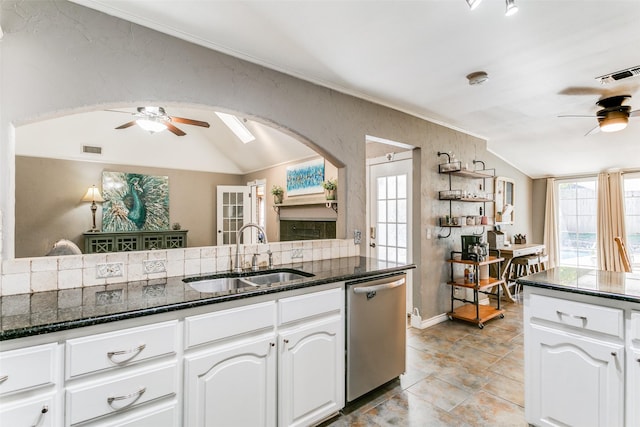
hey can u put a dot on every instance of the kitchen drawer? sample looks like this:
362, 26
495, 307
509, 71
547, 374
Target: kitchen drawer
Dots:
583, 316
309, 305
227, 323
27, 368
120, 348
38, 412
120, 392
164, 416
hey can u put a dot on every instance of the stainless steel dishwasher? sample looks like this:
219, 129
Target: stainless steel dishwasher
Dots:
376, 333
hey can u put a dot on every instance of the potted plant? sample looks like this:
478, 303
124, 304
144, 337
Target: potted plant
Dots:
277, 192
330, 186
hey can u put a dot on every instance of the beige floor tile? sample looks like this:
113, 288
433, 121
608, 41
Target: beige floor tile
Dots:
509, 367
506, 388
442, 394
484, 409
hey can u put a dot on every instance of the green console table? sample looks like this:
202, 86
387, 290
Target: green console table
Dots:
124, 241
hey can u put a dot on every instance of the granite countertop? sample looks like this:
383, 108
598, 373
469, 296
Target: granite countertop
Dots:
43, 312
605, 284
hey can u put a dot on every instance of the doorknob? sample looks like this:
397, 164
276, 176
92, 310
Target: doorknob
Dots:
373, 245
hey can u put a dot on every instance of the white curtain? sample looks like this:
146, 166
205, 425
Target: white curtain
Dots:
551, 224
610, 220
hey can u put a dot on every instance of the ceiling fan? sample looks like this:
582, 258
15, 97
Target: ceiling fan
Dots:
612, 116
155, 119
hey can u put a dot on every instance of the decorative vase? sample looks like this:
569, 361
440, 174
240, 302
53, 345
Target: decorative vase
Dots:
277, 199
330, 194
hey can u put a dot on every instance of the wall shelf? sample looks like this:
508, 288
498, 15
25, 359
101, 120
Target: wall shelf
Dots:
450, 195
329, 204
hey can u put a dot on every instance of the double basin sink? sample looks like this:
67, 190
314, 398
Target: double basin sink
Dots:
234, 281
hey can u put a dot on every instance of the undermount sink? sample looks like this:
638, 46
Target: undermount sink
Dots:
221, 284
282, 276
244, 280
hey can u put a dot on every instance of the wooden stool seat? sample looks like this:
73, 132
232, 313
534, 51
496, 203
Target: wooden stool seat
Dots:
525, 265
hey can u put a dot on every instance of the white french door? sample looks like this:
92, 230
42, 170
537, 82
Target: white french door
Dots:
233, 210
390, 194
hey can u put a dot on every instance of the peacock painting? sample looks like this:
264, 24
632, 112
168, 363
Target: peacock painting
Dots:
135, 202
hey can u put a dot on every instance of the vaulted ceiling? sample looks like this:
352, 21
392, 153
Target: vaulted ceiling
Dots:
414, 56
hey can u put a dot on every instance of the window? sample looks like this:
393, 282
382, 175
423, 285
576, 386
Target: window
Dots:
577, 201
632, 217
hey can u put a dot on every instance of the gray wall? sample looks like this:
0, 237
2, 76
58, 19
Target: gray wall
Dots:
59, 58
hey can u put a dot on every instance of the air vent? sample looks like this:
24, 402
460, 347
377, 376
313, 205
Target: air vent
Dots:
91, 150
619, 75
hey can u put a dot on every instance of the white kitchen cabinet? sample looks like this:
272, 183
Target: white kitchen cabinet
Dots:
574, 381
311, 371
633, 370
242, 368
579, 366
28, 381
232, 385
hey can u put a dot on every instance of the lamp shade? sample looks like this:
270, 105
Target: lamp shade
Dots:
614, 121
93, 195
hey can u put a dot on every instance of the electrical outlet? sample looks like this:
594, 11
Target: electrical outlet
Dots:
357, 237
428, 233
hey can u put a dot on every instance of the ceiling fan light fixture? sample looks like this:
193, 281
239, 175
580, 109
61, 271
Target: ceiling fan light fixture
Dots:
512, 8
614, 122
151, 125
473, 3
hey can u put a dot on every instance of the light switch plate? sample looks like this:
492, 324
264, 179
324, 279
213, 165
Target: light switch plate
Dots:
357, 237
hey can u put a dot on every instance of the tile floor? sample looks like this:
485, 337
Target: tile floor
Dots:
457, 375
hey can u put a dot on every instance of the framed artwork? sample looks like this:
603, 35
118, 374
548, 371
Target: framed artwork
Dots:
135, 202
305, 178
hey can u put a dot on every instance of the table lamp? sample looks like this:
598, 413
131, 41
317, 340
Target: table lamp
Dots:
93, 195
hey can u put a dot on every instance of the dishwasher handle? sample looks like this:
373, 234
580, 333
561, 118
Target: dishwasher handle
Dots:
381, 287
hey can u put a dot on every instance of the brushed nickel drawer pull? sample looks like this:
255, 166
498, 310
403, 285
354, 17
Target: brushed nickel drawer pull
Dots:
4, 378
135, 394
44, 410
136, 351
560, 313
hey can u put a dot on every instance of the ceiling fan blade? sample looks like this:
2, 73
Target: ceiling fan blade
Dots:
578, 116
594, 130
126, 125
189, 121
119, 111
173, 129
635, 113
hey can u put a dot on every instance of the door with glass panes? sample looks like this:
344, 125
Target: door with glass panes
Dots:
233, 210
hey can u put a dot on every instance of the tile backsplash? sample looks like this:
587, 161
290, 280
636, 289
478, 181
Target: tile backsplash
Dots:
26, 275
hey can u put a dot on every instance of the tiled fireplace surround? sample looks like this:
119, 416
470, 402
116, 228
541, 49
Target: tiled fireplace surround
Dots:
25, 275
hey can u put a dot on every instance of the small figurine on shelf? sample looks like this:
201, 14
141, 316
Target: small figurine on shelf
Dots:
277, 192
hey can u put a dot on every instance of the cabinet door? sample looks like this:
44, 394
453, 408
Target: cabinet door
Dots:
633, 389
573, 380
232, 385
311, 372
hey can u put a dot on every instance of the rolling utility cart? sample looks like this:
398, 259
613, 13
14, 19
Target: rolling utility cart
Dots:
473, 311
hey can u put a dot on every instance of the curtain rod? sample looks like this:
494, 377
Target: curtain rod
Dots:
593, 175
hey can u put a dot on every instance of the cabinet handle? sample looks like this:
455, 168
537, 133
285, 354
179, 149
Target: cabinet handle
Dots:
136, 351
560, 313
614, 354
4, 378
286, 341
638, 360
272, 344
43, 411
135, 394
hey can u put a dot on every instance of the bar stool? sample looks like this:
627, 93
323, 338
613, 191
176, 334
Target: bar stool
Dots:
525, 265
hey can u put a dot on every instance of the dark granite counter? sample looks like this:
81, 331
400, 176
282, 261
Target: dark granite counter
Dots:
605, 284
43, 312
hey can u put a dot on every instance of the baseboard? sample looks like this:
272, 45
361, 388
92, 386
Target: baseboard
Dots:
427, 323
